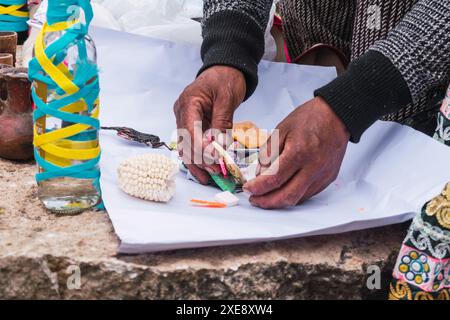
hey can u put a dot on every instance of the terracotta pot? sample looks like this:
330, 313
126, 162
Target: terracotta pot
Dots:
16, 124
8, 43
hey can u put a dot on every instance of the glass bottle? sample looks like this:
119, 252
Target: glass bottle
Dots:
66, 195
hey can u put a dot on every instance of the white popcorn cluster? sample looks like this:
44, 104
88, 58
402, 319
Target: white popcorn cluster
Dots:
149, 177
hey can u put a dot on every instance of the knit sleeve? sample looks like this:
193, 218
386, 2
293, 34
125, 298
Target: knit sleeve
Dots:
233, 35
420, 47
396, 71
310, 24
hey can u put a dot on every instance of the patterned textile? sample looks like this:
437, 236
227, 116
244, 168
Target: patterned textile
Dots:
343, 24
422, 271
258, 11
391, 13
427, 93
307, 23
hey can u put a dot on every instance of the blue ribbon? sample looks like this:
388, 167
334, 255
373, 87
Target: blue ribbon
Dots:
60, 11
13, 23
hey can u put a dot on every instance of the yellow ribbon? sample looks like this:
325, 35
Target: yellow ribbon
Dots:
14, 10
58, 149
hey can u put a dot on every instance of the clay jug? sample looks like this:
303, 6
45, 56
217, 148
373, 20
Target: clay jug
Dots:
16, 124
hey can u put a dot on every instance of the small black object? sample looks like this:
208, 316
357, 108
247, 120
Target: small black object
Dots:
134, 135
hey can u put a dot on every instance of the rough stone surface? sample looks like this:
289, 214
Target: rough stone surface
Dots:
40, 254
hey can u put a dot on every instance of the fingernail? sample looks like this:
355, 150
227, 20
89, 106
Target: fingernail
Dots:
221, 139
209, 170
212, 170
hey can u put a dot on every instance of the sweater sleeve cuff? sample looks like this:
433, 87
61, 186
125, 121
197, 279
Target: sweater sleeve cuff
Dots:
371, 88
232, 38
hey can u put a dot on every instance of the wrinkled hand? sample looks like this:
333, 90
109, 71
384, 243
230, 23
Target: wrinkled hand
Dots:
312, 145
209, 101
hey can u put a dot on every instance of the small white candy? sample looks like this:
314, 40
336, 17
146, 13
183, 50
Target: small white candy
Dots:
138, 176
227, 198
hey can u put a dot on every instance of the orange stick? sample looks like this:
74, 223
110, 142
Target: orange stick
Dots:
217, 206
208, 204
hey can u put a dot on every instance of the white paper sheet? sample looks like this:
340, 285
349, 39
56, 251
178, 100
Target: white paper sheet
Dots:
384, 180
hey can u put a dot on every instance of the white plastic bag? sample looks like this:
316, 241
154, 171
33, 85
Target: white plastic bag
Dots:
104, 18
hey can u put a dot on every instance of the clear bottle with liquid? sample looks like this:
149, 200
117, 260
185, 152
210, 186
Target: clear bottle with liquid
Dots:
66, 195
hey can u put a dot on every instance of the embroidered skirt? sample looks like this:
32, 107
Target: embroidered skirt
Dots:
422, 270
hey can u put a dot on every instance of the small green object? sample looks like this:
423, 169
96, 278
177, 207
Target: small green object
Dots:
225, 183
173, 145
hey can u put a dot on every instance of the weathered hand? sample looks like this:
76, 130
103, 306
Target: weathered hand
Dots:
208, 103
312, 145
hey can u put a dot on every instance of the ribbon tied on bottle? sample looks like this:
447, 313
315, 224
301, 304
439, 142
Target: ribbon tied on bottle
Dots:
73, 150
13, 15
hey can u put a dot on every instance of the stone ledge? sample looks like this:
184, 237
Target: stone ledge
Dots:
36, 249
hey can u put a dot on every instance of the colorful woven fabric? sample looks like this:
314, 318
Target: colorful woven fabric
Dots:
422, 271
423, 265
72, 151
13, 15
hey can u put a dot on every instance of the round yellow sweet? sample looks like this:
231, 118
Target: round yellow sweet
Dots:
418, 279
403, 268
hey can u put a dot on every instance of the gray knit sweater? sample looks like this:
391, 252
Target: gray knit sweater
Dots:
400, 69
